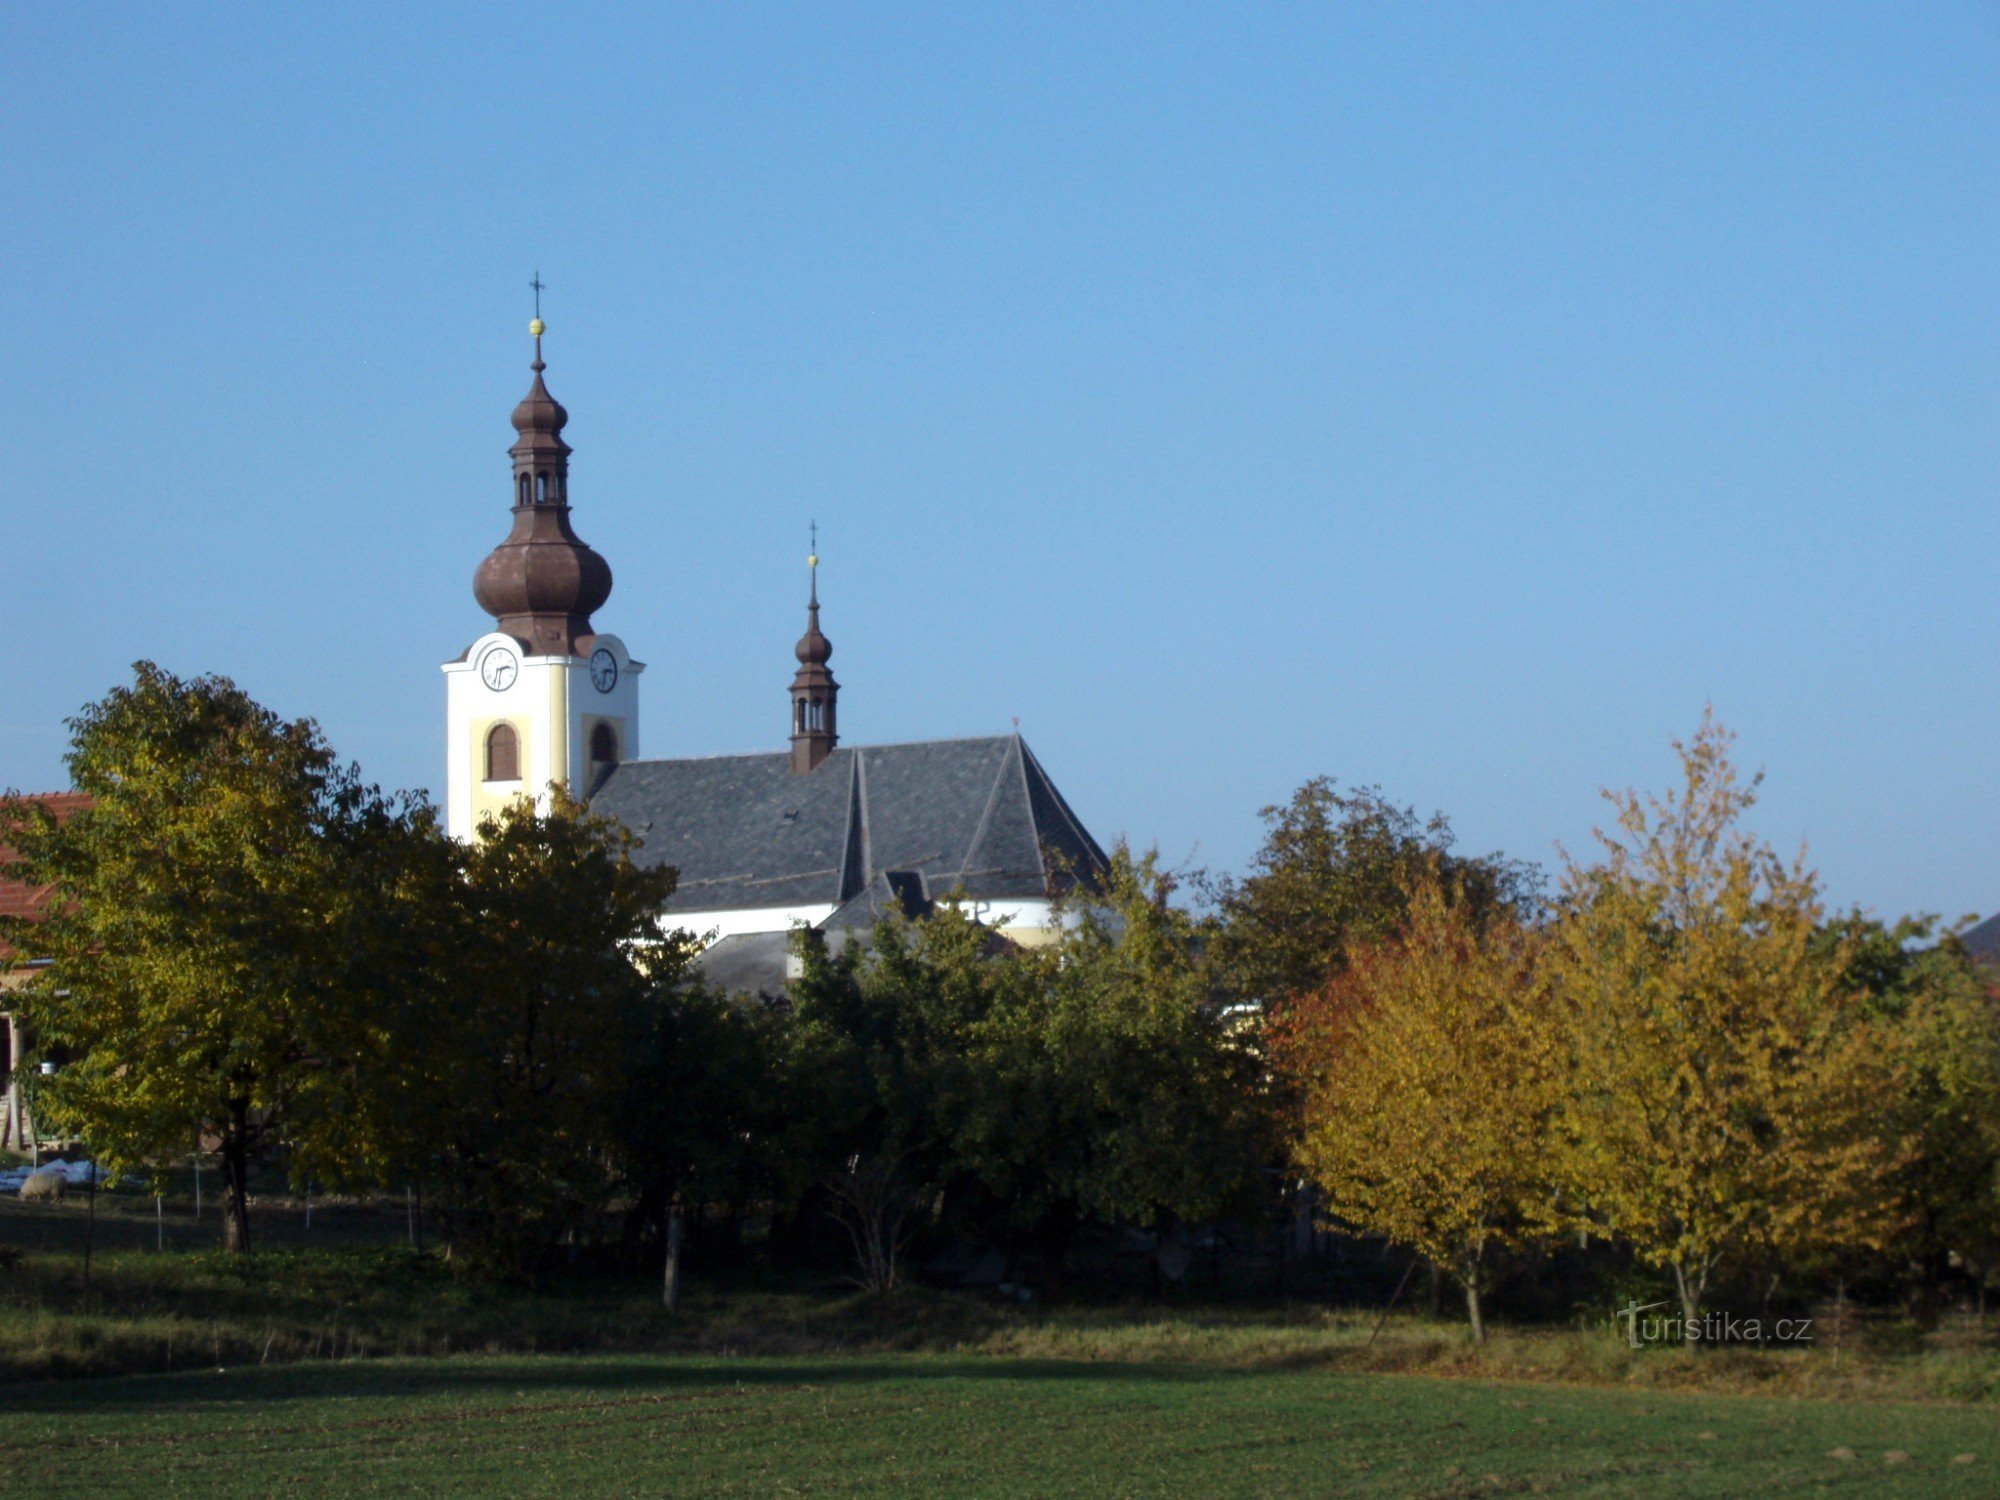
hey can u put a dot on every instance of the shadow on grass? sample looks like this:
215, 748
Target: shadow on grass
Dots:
212, 1392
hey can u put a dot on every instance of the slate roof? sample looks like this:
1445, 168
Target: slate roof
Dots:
747, 963
978, 815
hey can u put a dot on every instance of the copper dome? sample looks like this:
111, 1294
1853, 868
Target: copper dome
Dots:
539, 411
542, 583
813, 649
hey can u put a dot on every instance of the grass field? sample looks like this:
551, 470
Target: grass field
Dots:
352, 1364
927, 1425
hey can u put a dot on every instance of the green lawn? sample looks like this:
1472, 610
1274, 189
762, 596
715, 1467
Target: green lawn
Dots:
940, 1425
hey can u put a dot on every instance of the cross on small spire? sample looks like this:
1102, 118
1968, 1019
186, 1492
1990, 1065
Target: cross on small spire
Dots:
813, 689
538, 286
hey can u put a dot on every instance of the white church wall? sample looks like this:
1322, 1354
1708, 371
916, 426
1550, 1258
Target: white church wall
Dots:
1030, 923
714, 926
552, 702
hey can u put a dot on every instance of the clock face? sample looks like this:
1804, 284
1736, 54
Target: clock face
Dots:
603, 670
498, 669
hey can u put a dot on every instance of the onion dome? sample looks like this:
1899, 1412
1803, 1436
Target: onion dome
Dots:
542, 583
815, 695
813, 649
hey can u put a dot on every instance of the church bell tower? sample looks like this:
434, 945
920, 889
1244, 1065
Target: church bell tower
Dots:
543, 699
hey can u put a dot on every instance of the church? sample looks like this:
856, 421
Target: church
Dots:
819, 834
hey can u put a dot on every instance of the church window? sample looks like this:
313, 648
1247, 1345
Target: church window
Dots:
524, 489
541, 489
603, 745
503, 754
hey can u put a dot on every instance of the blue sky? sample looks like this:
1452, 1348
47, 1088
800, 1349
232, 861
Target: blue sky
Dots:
1454, 398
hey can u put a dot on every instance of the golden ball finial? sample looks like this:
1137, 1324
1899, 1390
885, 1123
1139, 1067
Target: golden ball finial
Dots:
812, 561
538, 328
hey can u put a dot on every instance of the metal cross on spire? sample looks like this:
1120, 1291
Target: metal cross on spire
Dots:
812, 564
537, 328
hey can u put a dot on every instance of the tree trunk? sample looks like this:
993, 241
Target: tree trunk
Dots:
1473, 1310
1690, 1287
236, 1179
90, 1222
670, 1290
872, 1199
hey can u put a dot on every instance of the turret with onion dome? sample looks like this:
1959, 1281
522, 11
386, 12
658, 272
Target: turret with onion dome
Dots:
813, 690
542, 583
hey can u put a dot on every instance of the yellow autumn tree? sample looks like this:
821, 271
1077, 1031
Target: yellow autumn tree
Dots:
1424, 1101
1726, 1091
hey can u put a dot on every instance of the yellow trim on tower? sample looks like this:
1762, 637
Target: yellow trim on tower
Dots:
559, 726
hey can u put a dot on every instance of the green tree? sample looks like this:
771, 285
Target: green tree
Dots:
1425, 1092
208, 908
555, 953
1334, 872
1945, 1018
1106, 1081
876, 1046
705, 1111
1728, 1092
1024, 1089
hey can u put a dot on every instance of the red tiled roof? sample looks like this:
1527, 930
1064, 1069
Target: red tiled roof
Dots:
18, 899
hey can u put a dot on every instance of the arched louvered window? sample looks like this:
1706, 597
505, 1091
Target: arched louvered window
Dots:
603, 745
541, 489
525, 492
503, 754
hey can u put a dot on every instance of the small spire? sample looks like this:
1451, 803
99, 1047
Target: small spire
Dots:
814, 692
538, 327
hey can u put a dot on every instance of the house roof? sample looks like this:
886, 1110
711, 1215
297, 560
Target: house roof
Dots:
18, 898
976, 815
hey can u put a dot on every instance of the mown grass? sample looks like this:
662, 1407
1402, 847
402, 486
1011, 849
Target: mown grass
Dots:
943, 1424
362, 1295
203, 1310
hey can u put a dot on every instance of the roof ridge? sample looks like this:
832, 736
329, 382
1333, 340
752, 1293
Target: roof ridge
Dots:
955, 739
1062, 806
856, 813
867, 833
986, 814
